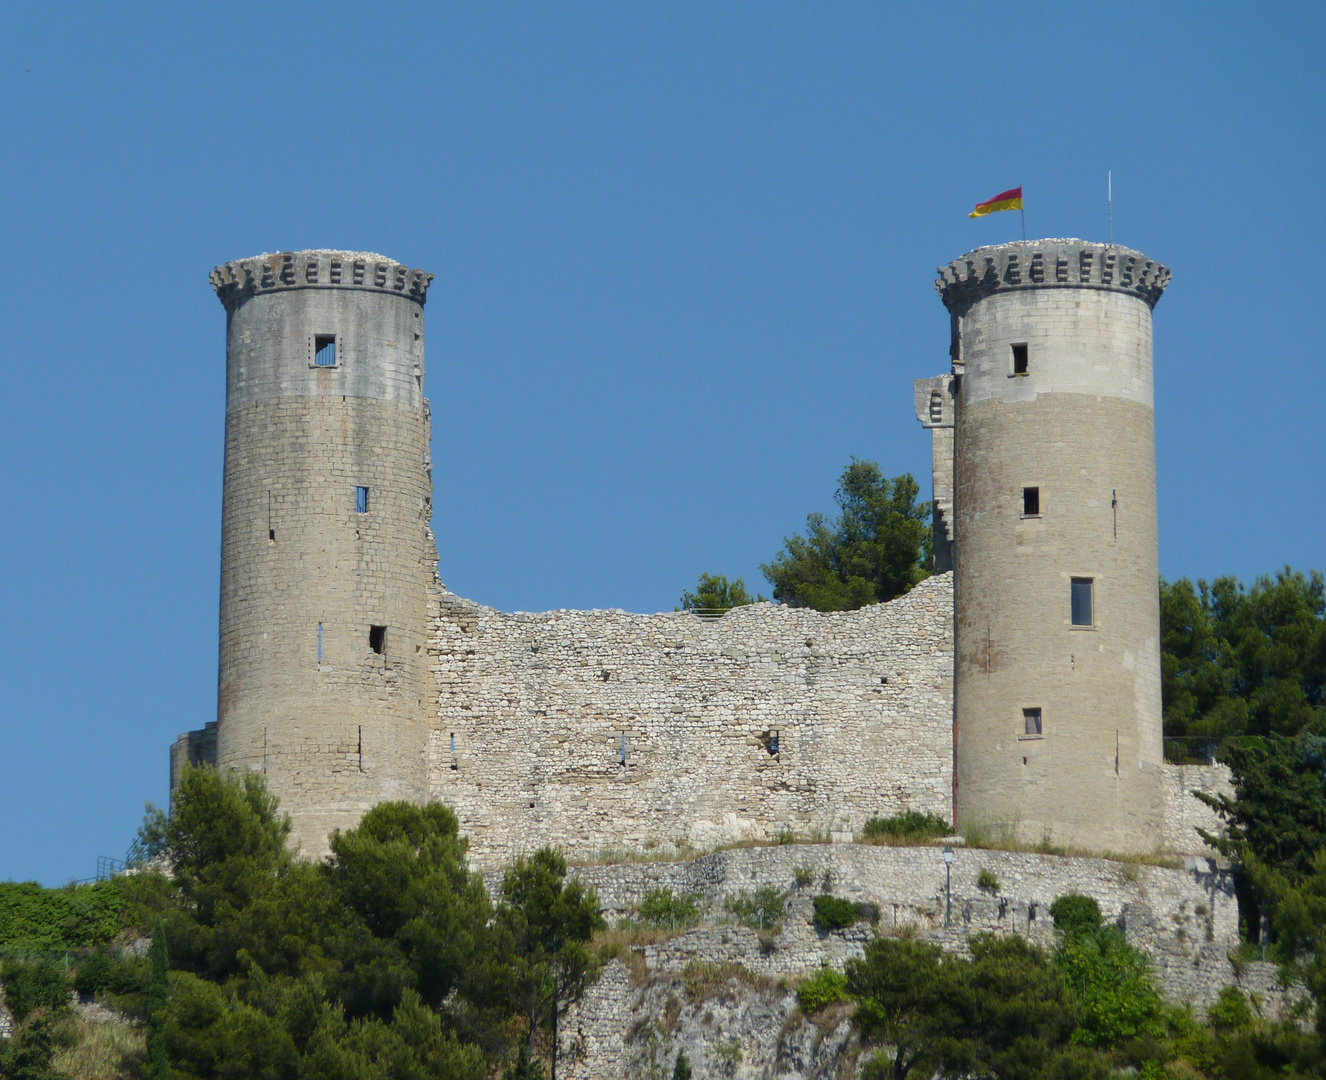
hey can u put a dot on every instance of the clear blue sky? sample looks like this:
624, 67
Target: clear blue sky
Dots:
684, 259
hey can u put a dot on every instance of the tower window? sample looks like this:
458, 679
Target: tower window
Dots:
1083, 601
377, 639
361, 500
1020, 359
324, 350
1031, 502
1031, 724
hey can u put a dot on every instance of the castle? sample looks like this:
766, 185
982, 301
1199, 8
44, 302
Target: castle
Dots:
1017, 688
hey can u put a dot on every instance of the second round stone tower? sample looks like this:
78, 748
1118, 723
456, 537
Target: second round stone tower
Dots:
1057, 665
327, 555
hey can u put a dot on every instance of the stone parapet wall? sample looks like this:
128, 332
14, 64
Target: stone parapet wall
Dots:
602, 729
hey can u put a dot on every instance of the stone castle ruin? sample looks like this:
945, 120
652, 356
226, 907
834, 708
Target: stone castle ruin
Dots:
1018, 688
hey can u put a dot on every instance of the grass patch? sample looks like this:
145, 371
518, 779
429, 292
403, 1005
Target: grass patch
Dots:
115, 1051
909, 827
990, 839
701, 979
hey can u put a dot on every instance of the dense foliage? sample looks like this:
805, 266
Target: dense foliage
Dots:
713, 592
387, 960
833, 912
1244, 661
760, 910
877, 547
663, 909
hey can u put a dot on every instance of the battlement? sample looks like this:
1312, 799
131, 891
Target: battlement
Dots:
319, 269
1049, 264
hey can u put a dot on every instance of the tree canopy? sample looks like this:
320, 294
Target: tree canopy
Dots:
713, 592
877, 548
1244, 661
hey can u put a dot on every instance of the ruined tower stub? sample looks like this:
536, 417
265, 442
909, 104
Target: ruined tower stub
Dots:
1057, 712
327, 556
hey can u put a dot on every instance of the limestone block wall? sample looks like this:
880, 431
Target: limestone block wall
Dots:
603, 729
1058, 719
323, 675
1184, 814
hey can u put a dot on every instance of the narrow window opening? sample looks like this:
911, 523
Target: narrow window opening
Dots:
361, 500
319, 643
271, 535
377, 639
622, 752
454, 767
1031, 502
773, 744
1019, 359
324, 350
1083, 601
1031, 723
361, 747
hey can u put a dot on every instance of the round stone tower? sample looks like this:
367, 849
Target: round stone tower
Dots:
1057, 714
327, 556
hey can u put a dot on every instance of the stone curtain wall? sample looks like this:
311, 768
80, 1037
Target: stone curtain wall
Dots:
540, 705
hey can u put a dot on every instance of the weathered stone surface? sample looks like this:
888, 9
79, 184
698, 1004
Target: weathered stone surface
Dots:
537, 713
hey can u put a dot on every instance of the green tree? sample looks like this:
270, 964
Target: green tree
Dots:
547, 922
412, 915
1237, 661
1005, 1013
681, 1069
1112, 979
877, 548
713, 592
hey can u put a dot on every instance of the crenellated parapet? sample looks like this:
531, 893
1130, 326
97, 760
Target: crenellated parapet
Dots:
1049, 264
321, 269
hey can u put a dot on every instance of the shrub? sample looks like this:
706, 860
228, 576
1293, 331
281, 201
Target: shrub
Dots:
987, 881
909, 825
833, 912
1074, 913
803, 876
664, 910
682, 1069
57, 920
785, 836
1230, 1011
34, 984
761, 910
868, 912
823, 988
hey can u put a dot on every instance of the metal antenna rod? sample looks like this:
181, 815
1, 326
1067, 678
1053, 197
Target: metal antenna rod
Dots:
1109, 200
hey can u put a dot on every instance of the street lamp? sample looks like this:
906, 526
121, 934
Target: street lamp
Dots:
948, 884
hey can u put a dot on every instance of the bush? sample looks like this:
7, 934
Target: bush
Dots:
682, 1069
803, 876
1074, 913
909, 825
987, 881
34, 984
664, 910
834, 913
761, 910
823, 988
867, 911
58, 920
1230, 1011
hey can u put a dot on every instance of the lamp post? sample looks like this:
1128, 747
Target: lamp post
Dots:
948, 884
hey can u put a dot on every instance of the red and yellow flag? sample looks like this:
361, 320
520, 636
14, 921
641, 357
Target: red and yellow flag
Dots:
1005, 200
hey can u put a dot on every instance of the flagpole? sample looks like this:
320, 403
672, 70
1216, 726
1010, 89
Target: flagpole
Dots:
1024, 223
1109, 197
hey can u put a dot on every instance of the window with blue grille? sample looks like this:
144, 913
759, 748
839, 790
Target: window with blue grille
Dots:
324, 350
361, 500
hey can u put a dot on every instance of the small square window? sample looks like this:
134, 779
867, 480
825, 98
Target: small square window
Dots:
1019, 359
324, 350
377, 639
1083, 601
361, 500
1031, 722
1031, 502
